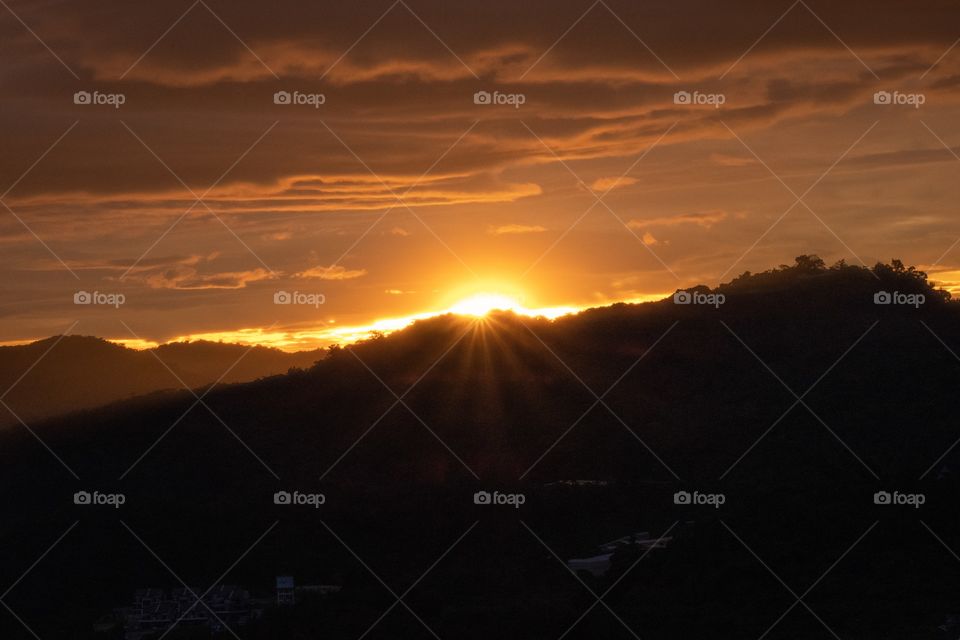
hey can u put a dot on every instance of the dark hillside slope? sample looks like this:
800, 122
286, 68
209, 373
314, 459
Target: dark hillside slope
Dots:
82, 372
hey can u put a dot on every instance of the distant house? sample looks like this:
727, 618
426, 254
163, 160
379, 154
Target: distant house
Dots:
154, 611
222, 608
286, 591
643, 539
578, 483
598, 565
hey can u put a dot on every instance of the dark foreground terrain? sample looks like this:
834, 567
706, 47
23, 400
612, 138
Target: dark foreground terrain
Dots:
784, 410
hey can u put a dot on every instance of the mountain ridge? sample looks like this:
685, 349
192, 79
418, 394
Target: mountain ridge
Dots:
66, 373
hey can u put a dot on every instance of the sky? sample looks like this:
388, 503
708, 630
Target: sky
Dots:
195, 163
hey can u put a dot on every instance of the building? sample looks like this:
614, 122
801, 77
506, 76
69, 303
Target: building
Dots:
154, 610
599, 564
286, 591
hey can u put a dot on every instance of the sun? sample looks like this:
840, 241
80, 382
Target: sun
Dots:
481, 304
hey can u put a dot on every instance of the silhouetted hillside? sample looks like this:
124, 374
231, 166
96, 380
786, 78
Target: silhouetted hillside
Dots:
81, 372
797, 396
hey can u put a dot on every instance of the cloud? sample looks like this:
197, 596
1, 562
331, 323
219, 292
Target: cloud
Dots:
606, 184
334, 272
514, 229
188, 273
401, 98
297, 194
188, 278
194, 281
500, 40
704, 219
731, 160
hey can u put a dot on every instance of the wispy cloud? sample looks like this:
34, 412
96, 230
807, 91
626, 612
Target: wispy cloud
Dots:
334, 272
604, 184
704, 219
515, 229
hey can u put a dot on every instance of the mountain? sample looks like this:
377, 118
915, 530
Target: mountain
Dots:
799, 395
68, 373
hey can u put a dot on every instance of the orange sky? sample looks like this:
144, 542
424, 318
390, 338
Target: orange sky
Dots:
584, 181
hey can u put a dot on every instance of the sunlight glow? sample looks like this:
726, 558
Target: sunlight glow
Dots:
483, 303
136, 344
477, 305
944, 278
